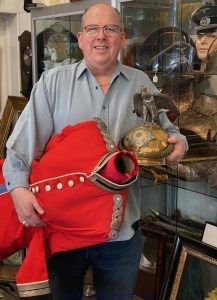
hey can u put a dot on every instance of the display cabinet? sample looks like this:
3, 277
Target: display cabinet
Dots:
161, 42
54, 30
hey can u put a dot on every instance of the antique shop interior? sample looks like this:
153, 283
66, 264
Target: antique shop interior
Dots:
179, 207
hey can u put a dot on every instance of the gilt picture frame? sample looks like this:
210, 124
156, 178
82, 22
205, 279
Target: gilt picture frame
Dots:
192, 271
13, 108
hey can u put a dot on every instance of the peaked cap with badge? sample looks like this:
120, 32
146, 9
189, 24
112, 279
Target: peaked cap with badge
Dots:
81, 181
205, 19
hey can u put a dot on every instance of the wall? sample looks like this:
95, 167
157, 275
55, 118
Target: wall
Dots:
51, 2
13, 21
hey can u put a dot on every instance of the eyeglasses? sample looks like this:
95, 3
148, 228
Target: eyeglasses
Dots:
109, 29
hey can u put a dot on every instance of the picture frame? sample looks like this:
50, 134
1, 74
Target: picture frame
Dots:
13, 108
192, 271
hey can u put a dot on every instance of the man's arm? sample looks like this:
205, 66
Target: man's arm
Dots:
27, 142
177, 139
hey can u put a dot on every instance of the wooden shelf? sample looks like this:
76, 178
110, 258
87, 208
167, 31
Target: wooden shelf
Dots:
8, 272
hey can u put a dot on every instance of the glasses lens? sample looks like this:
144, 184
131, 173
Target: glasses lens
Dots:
109, 30
91, 29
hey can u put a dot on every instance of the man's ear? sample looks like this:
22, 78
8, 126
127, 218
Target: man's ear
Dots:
123, 39
79, 40
78, 35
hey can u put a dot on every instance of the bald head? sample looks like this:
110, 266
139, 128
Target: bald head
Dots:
101, 38
99, 10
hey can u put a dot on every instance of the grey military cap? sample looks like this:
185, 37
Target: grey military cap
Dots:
205, 19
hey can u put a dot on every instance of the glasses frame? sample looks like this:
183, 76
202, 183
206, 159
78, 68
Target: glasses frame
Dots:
118, 29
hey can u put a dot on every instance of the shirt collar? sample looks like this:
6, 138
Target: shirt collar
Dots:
120, 70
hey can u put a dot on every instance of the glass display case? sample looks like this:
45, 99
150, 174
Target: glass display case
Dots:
160, 41
54, 42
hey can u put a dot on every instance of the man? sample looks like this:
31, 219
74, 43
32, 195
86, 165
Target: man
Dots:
98, 86
205, 19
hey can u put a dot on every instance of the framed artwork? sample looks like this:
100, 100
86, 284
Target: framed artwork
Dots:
14, 107
192, 271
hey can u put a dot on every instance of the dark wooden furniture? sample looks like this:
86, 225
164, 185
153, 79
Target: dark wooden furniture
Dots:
150, 280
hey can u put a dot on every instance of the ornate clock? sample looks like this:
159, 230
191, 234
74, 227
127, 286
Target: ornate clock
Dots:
25, 63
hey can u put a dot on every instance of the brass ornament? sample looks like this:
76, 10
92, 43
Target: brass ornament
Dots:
148, 141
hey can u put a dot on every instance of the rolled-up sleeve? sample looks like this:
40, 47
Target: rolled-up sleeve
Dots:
28, 139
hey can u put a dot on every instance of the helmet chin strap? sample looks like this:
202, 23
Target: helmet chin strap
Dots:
210, 48
204, 62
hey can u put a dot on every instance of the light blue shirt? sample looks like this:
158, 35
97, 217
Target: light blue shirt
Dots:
68, 95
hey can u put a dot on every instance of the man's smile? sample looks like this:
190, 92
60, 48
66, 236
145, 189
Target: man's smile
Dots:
101, 47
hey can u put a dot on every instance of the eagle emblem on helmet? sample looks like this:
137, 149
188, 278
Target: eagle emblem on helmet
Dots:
205, 21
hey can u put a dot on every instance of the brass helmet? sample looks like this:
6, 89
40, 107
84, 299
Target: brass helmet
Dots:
149, 144
148, 141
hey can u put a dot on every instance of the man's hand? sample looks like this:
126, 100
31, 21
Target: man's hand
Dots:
178, 152
27, 207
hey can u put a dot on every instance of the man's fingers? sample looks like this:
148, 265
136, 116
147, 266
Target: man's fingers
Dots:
38, 208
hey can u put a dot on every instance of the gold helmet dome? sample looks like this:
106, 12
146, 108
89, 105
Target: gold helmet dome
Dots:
148, 141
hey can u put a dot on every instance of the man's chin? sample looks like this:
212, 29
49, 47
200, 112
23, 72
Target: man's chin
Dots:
202, 56
101, 61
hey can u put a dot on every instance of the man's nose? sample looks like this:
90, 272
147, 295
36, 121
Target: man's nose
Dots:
101, 33
204, 39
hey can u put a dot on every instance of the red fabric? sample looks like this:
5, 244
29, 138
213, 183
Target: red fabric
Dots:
77, 215
14, 237
115, 171
34, 266
77, 148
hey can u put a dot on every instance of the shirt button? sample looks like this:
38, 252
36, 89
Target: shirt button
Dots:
59, 186
70, 183
47, 188
81, 179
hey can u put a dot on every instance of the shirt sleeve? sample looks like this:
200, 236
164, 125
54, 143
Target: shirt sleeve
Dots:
170, 128
29, 138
